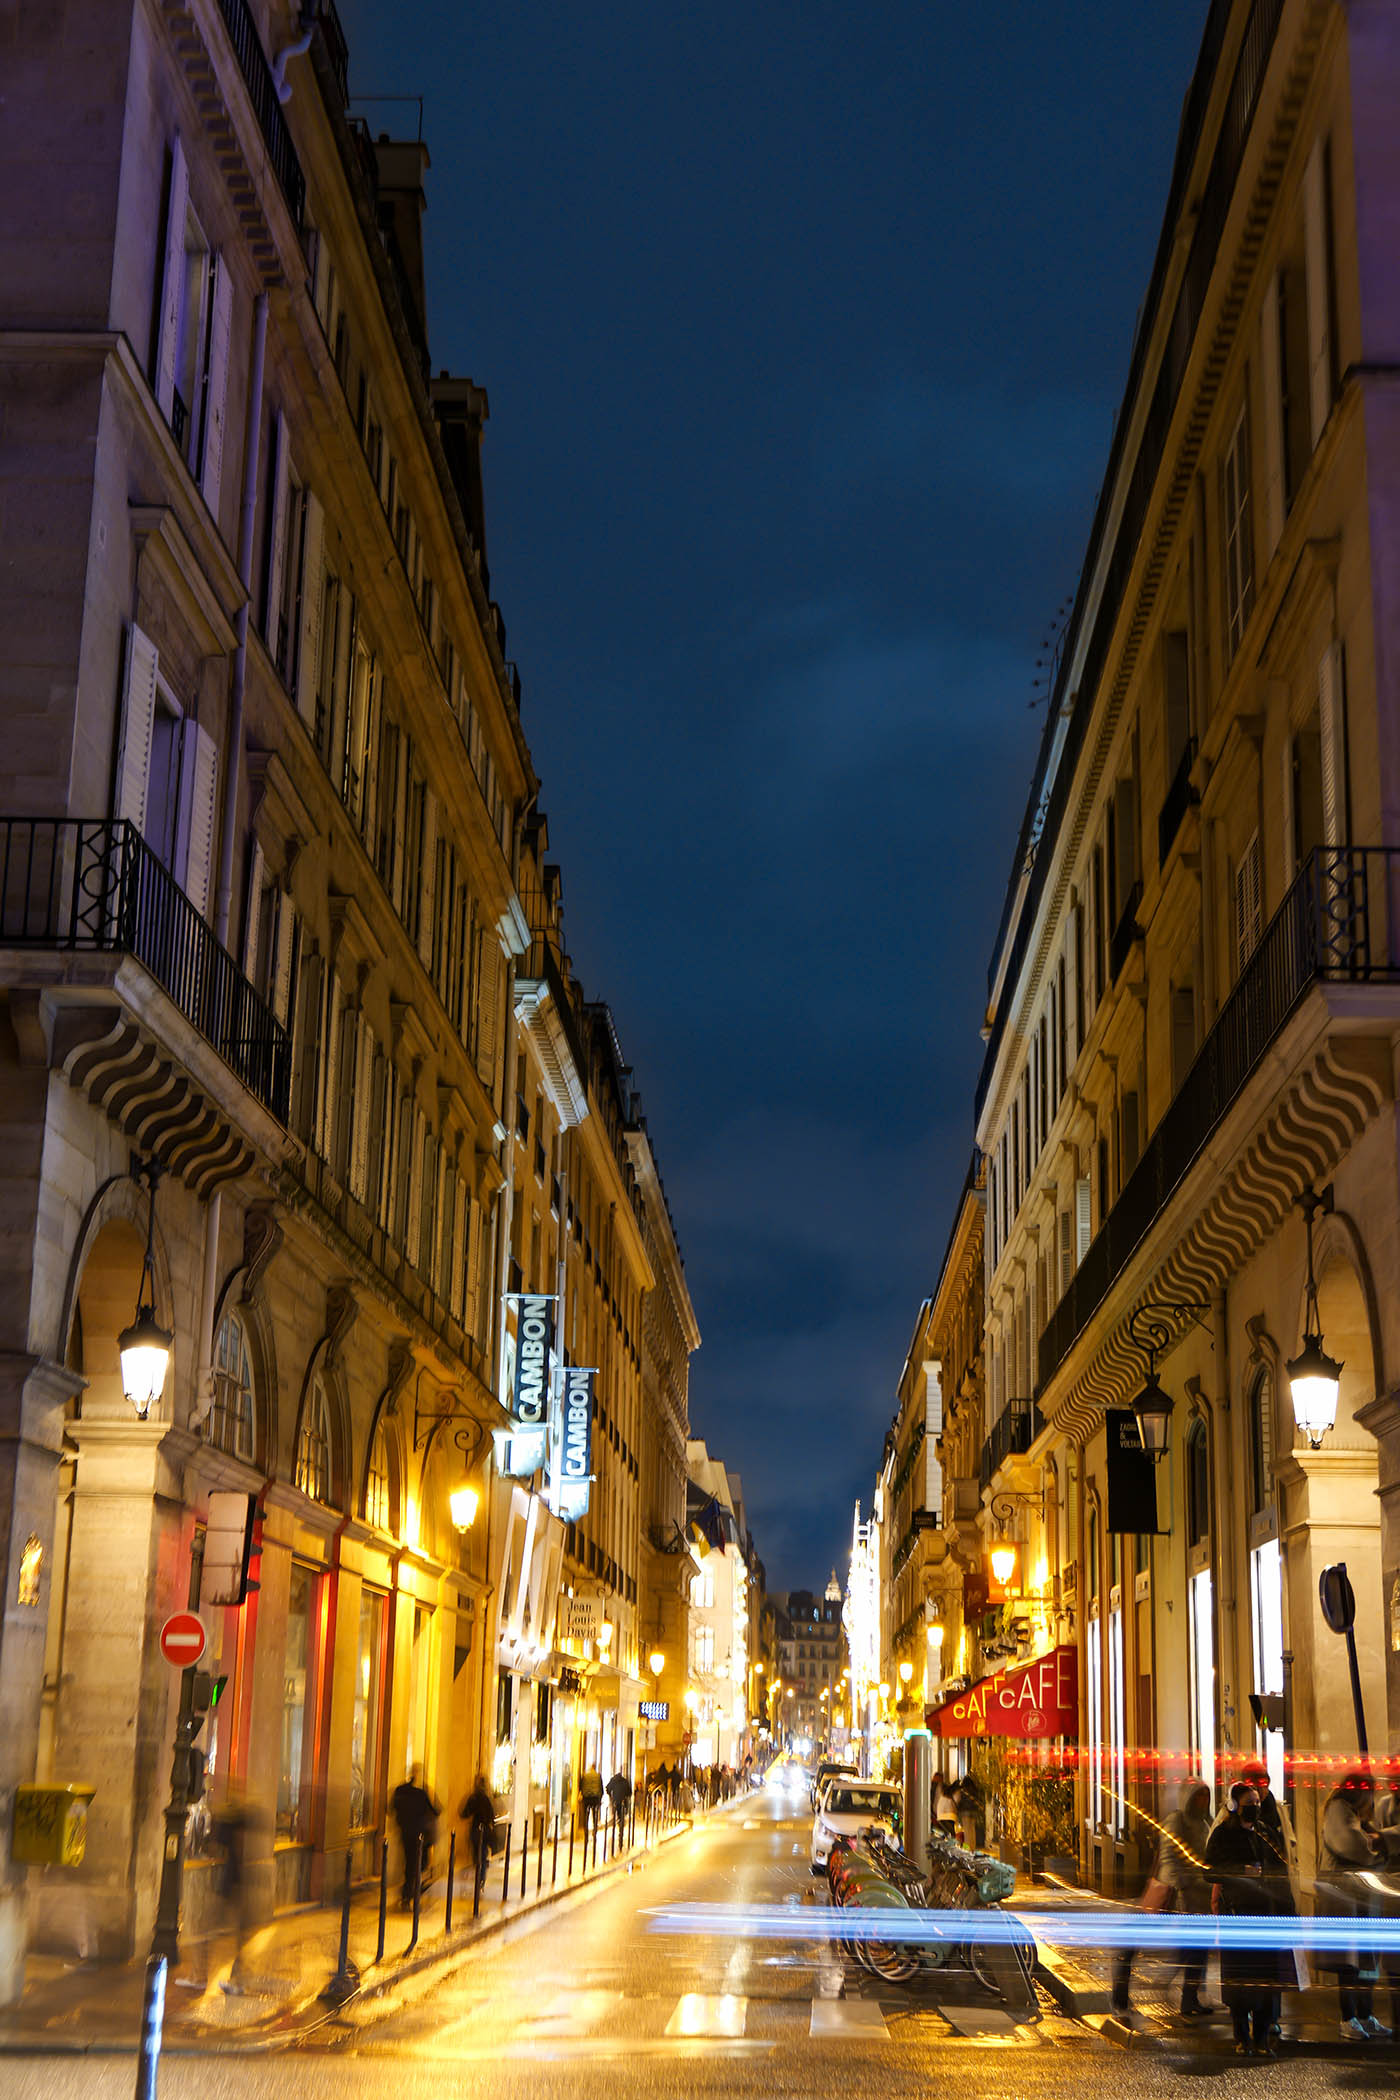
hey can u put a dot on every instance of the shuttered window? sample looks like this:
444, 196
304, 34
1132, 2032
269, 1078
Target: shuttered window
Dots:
1249, 904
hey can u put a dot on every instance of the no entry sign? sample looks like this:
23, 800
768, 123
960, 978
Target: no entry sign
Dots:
182, 1639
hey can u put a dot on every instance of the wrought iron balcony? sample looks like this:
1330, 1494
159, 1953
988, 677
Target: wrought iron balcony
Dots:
1015, 1429
66, 883
1179, 798
257, 77
1337, 924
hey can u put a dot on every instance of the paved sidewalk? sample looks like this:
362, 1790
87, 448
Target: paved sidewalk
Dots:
280, 1985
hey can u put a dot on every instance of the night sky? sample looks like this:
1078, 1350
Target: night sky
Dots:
804, 329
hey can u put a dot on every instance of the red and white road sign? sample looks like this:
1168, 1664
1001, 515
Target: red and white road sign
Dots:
182, 1639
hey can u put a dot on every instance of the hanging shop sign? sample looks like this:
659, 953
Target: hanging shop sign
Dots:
654, 1709
1132, 1475
1030, 1700
523, 1451
582, 1617
575, 1470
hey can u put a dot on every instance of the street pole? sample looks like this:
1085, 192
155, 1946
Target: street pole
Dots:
165, 1940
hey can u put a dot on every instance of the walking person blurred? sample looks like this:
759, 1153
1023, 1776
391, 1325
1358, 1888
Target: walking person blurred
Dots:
945, 1808
1345, 1856
416, 1813
1247, 1881
619, 1791
1177, 1882
590, 1800
478, 1812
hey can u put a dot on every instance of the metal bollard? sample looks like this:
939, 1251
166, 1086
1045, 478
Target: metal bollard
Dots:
417, 1891
152, 2024
505, 1870
571, 1844
524, 1860
383, 1895
539, 1860
346, 1979
451, 1871
554, 1870
479, 1865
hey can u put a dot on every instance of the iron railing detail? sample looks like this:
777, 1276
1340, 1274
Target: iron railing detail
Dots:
71, 883
1014, 1430
1337, 923
267, 108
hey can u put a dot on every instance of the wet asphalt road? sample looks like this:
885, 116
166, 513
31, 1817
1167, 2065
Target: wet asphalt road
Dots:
588, 1998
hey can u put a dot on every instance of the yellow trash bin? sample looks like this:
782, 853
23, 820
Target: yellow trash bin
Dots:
50, 1825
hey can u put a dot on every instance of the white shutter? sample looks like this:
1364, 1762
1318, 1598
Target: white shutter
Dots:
1317, 263
216, 385
414, 1221
457, 1282
312, 592
1271, 368
172, 287
252, 912
282, 959
1290, 817
330, 1069
487, 1004
1331, 716
427, 886
1249, 917
472, 1255
1071, 1016
1064, 1226
138, 720
198, 813
277, 546
1083, 1219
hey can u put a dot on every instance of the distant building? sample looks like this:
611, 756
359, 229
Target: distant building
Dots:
716, 1693
811, 1658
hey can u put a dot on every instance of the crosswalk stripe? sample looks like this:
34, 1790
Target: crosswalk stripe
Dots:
849, 2019
700, 2014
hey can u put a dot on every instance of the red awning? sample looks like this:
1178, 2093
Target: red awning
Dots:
1033, 1699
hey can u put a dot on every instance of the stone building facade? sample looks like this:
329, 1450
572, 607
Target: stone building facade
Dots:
1194, 1000
261, 923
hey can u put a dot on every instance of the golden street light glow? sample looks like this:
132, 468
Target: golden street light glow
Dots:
463, 1503
906, 1672
1003, 1563
656, 1662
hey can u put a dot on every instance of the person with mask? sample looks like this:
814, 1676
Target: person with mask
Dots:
1178, 1882
1346, 1854
1245, 1876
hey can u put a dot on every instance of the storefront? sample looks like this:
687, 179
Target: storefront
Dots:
1018, 1729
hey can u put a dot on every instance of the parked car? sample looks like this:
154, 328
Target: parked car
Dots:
828, 1769
851, 1805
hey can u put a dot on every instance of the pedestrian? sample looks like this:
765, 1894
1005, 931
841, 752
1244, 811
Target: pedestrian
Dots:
478, 1812
230, 1833
945, 1808
590, 1800
1346, 1859
1177, 1882
661, 1780
620, 1796
416, 1813
1247, 1881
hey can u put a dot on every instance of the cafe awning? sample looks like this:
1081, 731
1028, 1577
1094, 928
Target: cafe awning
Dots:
1029, 1700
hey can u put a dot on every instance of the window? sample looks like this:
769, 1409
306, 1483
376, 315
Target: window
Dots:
1259, 1427
1238, 531
1249, 903
298, 1750
1094, 1656
1202, 1661
167, 773
1266, 1614
229, 1422
377, 1502
1117, 1721
313, 1466
702, 1591
705, 1650
1197, 1486
365, 1713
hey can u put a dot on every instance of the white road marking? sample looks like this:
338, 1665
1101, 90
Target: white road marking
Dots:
847, 2019
699, 2014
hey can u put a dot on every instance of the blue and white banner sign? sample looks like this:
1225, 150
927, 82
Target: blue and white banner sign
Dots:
529, 1400
575, 1443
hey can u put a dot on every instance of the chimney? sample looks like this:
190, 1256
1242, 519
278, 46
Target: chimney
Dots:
400, 166
461, 409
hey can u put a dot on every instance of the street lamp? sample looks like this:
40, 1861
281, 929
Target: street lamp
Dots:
656, 1662
906, 1674
1003, 1559
1314, 1377
1153, 1406
936, 1632
463, 1503
144, 1346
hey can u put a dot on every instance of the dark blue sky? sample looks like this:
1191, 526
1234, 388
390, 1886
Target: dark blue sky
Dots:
804, 328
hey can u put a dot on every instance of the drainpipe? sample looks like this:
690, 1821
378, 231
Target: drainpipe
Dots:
233, 769
1222, 1510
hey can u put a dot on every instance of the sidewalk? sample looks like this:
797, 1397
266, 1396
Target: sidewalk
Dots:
285, 1968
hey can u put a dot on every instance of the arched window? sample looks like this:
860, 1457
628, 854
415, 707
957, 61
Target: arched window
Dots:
1259, 1427
1197, 1485
313, 1467
229, 1422
377, 1502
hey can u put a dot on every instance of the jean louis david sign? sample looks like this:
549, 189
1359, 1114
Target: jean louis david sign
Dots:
1032, 1700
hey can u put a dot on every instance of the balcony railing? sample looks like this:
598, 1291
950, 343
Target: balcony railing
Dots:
257, 76
1179, 798
1335, 924
543, 962
69, 884
1015, 1429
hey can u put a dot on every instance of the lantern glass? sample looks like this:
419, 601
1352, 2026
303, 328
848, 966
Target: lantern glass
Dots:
464, 1502
1003, 1563
144, 1348
1314, 1382
1153, 1409
656, 1662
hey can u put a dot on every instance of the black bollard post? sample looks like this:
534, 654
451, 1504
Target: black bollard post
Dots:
505, 1870
554, 1870
524, 1860
346, 1980
539, 1858
451, 1871
571, 1844
152, 2018
480, 1869
417, 1891
383, 1894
